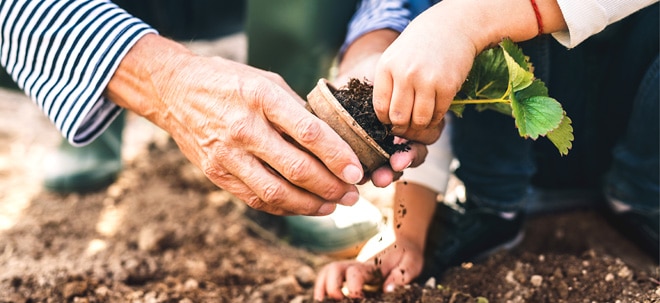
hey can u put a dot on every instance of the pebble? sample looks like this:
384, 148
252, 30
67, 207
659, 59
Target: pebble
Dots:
430, 283
102, 291
190, 284
536, 280
609, 277
75, 288
624, 272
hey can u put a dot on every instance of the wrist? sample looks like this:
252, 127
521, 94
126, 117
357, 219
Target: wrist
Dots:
486, 23
375, 42
143, 73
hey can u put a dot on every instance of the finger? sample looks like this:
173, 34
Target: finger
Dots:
382, 176
333, 280
423, 110
297, 165
319, 139
261, 189
403, 273
355, 279
401, 108
320, 285
382, 96
412, 157
425, 136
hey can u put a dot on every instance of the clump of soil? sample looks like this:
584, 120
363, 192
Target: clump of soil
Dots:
357, 98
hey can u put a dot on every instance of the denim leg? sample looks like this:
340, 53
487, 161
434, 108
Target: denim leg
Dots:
633, 178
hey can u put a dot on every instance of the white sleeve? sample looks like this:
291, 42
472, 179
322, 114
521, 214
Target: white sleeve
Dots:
586, 18
62, 53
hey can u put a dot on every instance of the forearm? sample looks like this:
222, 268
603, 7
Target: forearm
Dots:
414, 206
372, 43
487, 22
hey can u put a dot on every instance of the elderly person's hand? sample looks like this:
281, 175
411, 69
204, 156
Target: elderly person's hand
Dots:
243, 127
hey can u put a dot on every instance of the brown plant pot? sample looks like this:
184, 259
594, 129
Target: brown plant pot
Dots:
322, 103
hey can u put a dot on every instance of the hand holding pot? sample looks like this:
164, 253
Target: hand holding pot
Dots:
359, 61
236, 123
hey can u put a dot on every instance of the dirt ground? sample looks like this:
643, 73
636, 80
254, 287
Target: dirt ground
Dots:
163, 233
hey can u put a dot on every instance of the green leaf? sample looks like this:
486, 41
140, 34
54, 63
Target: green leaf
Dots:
502, 79
562, 136
504, 108
489, 76
519, 77
536, 115
516, 54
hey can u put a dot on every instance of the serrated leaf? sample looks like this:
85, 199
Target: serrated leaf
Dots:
516, 54
537, 88
519, 77
489, 76
536, 116
562, 136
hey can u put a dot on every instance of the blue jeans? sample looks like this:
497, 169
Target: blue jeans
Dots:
612, 98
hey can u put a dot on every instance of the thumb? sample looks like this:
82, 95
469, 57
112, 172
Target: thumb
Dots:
402, 274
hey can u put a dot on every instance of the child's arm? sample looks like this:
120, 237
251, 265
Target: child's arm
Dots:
399, 263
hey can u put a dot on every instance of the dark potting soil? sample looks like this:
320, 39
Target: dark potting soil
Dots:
357, 98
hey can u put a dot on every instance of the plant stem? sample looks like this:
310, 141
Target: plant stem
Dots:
479, 101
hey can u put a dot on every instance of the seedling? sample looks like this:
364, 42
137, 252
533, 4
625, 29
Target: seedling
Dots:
502, 79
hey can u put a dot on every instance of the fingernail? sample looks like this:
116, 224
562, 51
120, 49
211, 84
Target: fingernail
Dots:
390, 287
352, 174
408, 165
350, 198
326, 209
398, 130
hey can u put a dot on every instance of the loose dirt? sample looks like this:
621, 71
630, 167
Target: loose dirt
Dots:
163, 233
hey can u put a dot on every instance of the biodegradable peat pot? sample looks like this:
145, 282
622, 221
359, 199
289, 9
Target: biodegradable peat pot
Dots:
322, 103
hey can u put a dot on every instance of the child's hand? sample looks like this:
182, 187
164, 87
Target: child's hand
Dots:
399, 264
418, 76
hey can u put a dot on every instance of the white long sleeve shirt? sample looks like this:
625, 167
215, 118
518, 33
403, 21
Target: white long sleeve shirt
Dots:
62, 53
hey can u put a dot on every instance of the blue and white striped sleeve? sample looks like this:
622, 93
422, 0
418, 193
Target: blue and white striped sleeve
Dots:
62, 53
373, 15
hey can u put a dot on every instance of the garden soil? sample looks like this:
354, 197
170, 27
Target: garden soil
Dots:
163, 233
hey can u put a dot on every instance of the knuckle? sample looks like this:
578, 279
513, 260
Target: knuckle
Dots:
255, 202
308, 130
296, 170
398, 119
419, 122
241, 130
332, 192
273, 194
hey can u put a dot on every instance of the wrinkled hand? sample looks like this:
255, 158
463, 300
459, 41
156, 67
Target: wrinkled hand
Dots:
237, 124
398, 264
418, 76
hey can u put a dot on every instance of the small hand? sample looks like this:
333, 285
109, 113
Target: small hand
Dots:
398, 264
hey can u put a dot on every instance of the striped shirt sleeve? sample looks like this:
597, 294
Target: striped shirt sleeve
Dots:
62, 53
373, 15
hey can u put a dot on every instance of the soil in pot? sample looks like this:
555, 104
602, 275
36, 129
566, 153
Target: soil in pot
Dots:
357, 98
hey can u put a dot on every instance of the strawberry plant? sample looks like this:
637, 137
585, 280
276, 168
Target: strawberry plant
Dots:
502, 79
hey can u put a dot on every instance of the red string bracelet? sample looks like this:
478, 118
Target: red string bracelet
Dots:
539, 21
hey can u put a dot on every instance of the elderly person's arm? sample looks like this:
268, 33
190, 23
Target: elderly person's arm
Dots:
83, 61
